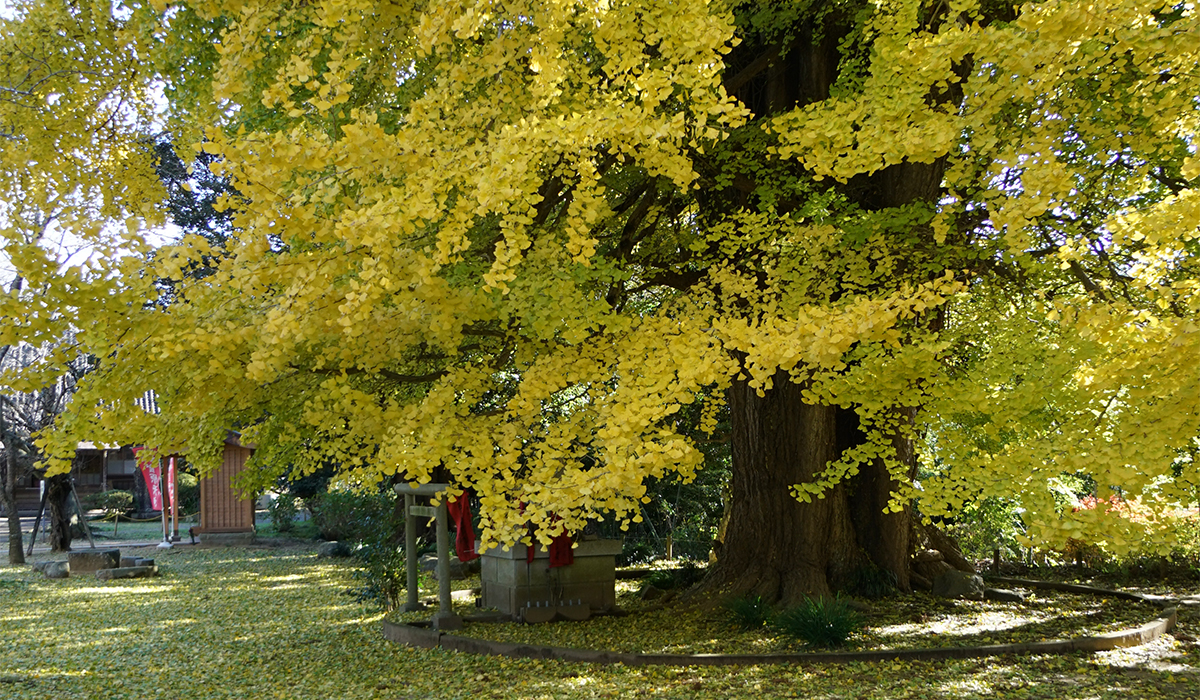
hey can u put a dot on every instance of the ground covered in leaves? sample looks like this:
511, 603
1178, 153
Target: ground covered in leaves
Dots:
911, 621
278, 623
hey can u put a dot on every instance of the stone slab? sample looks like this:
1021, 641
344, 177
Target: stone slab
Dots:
88, 560
421, 637
127, 572
577, 612
57, 569
1003, 595
597, 597
446, 621
537, 614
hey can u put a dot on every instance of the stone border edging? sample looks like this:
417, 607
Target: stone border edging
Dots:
1092, 590
428, 638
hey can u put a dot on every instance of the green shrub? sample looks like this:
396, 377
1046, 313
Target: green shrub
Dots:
368, 522
749, 612
283, 511
347, 516
987, 524
188, 491
383, 574
823, 622
111, 502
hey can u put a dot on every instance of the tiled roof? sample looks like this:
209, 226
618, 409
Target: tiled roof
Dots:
148, 402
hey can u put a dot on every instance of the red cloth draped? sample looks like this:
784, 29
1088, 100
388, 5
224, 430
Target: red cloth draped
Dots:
459, 511
562, 551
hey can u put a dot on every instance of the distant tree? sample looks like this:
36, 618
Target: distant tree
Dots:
193, 193
76, 186
22, 416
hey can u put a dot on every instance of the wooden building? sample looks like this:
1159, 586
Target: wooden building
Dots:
96, 468
226, 517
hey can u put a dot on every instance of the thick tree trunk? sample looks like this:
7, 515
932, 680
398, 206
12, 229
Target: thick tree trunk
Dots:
778, 547
772, 545
16, 551
885, 537
58, 509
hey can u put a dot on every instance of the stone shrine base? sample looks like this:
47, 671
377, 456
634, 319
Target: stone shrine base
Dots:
535, 592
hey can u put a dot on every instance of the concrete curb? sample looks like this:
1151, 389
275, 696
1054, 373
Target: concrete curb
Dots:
428, 638
1092, 590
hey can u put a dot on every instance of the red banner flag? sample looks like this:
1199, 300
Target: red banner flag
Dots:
153, 475
153, 484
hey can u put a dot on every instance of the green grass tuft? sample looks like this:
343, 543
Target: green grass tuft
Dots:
823, 622
749, 612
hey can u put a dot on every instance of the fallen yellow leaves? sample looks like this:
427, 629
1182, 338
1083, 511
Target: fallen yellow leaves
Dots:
275, 623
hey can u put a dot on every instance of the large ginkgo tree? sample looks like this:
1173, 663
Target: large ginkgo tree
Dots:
509, 240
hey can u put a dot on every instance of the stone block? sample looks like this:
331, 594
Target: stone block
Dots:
597, 596
511, 583
1003, 595
651, 593
87, 560
446, 621
334, 550
537, 614
127, 572
958, 584
585, 570
508, 573
577, 612
57, 569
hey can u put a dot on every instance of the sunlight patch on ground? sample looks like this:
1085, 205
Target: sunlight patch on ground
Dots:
216, 631
966, 685
978, 624
1163, 654
133, 589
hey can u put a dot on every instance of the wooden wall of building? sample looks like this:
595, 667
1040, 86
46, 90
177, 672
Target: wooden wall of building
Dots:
221, 508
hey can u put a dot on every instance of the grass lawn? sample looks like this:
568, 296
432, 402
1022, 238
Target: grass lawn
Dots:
276, 622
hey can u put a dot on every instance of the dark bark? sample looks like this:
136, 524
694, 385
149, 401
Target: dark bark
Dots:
774, 545
884, 536
58, 509
16, 551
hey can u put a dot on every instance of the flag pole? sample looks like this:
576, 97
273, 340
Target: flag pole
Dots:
173, 484
166, 543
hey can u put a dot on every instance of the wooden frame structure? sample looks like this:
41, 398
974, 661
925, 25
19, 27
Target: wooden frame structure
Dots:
224, 514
